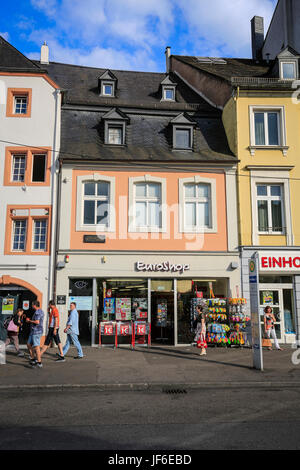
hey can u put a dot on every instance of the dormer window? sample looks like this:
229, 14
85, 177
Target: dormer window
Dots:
114, 127
107, 84
288, 70
168, 88
183, 131
108, 89
288, 62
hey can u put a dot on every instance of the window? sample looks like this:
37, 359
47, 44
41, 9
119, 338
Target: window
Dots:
169, 94
270, 208
39, 168
288, 70
19, 235
27, 230
25, 166
266, 128
18, 168
18, 102
40, 235
197, 206
96, 203
115, 135
107, 89
148, 205
183, 138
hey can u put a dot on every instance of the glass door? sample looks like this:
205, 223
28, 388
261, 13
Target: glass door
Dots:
269, 297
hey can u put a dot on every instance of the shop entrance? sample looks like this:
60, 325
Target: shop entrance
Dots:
280, 298
162, 312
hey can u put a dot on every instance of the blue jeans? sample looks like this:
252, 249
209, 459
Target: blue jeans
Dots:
72, 338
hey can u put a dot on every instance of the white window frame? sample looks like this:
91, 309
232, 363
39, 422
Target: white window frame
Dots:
295, 64
22, 97
197, 179
95, 178
13, 235
17, 155
109, 124
281, 128
33, 235
108, 83
269, 200
164, 94
131, 201
263, 177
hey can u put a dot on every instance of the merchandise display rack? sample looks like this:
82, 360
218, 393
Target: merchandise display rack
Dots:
238, 320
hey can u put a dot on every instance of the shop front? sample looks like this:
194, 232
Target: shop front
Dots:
161, 292
279, 288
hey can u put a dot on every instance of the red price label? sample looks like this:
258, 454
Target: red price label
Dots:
141, 330
108, 330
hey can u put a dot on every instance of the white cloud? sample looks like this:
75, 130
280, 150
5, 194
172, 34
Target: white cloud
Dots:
129, 33
220, 26
5, 35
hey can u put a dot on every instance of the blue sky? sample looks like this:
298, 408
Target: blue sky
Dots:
131, 34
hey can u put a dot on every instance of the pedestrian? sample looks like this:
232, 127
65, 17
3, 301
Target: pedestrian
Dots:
72, 331
199, 326
13, 330
269, 323
53, 330
36, 331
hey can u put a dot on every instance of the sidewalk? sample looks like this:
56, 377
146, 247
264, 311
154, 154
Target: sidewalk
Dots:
158, 367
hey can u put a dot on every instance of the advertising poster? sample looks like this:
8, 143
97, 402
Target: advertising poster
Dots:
109, 308
267, 297
123, 309
8, 306
162, 311
140, 308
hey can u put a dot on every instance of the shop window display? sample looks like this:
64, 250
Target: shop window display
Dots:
122, 300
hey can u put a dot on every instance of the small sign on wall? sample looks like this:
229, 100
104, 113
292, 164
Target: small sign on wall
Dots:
26, 304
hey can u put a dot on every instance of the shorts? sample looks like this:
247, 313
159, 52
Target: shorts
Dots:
34, 339
50, 337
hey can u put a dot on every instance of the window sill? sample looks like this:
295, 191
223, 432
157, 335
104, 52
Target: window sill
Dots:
190, 149
283, 148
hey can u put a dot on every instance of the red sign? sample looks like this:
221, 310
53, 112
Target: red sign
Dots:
108, 330
141, 329
124, 330
280, 262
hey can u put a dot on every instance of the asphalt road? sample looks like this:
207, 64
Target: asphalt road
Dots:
200, 419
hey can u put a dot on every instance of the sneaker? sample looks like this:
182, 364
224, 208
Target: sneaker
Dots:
20, 354
78, 357
39, 365
60, 359
203, 353
32, 362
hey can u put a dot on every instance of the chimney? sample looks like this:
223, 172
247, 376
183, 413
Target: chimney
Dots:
44, 54
168, 54
258, 36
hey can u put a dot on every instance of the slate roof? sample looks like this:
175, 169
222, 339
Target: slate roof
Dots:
148, 139
135, 89
231, 67
13, 60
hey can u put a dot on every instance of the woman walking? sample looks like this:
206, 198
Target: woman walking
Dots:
13, 330
269, 323
200, 329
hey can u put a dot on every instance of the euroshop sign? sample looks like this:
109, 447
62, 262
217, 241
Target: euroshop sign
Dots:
164, 266
286, 261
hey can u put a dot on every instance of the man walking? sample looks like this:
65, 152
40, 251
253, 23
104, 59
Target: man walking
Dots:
53, 331
36, 331
72, 331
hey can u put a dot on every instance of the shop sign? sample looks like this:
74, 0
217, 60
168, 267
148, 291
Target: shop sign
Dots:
124, 329
25, 304
61, 300
140, 329
165, 266
279, 261
82, 303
